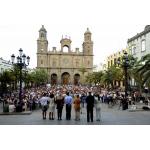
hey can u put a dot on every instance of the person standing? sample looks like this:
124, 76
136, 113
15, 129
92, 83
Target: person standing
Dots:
68, 102
60, 104
97, 107
77, 108
90, 105
44, 103
83, 98
51, 107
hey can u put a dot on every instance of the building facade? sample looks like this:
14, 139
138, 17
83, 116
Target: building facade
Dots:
64, 67
139, 45
4, 65
112, 59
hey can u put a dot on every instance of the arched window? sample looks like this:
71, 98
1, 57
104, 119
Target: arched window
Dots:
65, 49
42, 34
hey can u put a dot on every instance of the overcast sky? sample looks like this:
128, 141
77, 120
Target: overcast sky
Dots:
111, 22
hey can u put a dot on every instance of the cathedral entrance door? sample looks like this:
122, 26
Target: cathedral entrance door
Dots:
65, 77
76, 79
53, 79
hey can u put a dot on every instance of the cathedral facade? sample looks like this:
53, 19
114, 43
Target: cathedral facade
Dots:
63, 67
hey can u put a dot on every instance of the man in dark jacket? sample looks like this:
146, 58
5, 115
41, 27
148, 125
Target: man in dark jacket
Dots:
90, 105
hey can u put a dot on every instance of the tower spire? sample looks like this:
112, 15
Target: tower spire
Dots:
42, 40
87, 44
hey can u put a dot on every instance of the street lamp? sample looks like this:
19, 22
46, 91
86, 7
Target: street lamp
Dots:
125, 62
21, 63
125, 66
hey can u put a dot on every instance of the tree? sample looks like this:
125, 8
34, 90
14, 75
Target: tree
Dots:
111, 75
39, 77
97, 77
15, 72
83, 70
144, 69
29, 79
94, 77
134, 74
89, 78
127, 64
6, 78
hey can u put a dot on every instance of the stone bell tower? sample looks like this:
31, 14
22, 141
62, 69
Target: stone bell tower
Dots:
42, 48
42, 42
88, 43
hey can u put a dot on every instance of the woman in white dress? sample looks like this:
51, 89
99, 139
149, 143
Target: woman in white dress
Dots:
97, 107
51, 107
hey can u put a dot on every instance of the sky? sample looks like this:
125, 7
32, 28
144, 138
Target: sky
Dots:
112, 23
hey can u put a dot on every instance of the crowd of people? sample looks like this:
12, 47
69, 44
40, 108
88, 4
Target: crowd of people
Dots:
70, 97
58, 97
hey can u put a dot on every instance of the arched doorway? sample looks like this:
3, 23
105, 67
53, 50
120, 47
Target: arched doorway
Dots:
76, 79
65, 78
53, 79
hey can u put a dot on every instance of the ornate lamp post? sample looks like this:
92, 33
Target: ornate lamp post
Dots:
21, 63
125, 63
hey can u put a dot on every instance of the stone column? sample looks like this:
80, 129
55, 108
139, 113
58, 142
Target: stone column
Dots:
59, 76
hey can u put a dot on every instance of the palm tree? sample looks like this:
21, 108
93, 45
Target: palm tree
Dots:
6, 78
134, 74
144, 69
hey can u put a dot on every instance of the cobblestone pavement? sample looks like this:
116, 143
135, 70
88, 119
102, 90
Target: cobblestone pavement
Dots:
110, 116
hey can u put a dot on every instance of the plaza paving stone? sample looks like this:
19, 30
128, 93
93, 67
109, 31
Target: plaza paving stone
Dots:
110, 116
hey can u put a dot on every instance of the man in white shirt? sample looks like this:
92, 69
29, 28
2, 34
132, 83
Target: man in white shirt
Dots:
44, 103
